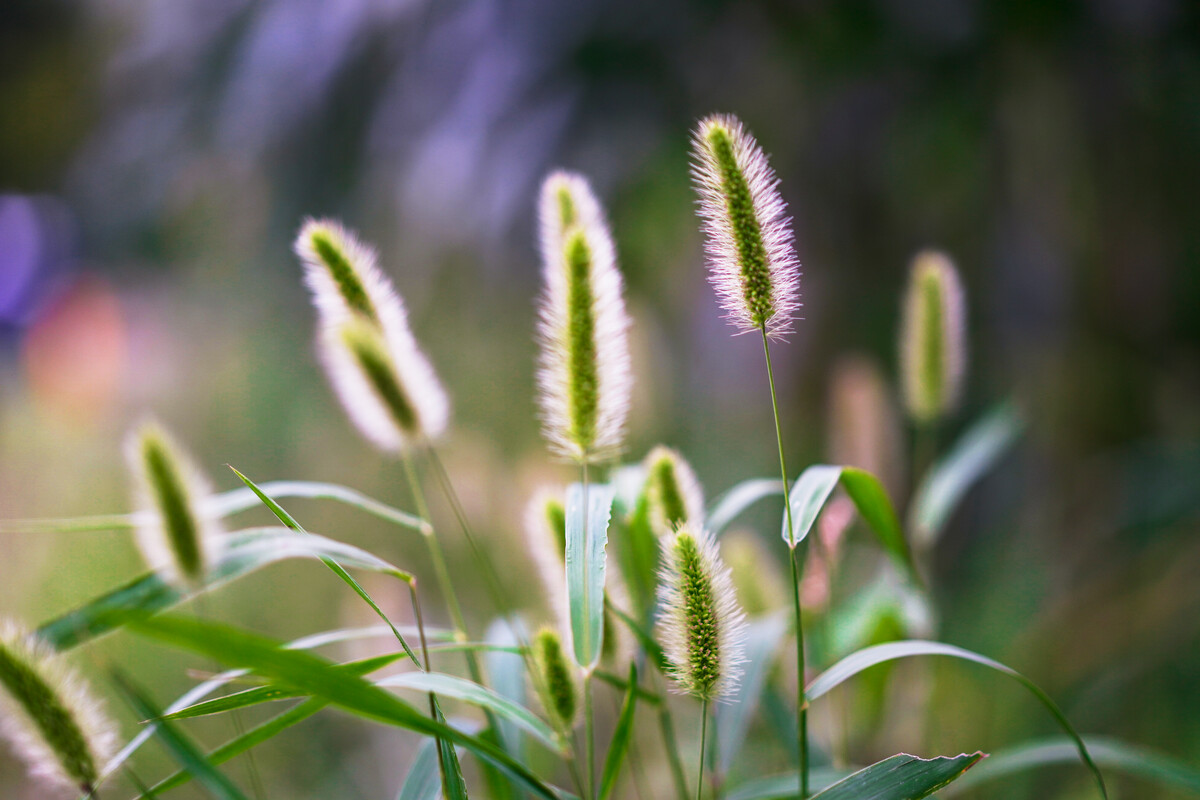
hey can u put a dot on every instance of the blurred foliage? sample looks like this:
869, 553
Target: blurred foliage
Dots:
167, 151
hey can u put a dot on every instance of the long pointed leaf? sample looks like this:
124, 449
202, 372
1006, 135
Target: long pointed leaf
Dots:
808, 496
321, 678
901, 777
855, 663
620, 738
738, 499
586, 568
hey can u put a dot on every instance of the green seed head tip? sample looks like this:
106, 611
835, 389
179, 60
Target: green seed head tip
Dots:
546, 541
48, 714
556, 684
178, 534
757, 582
933, 338
748, 235
583, 376
702, 628
673, 494
383, 379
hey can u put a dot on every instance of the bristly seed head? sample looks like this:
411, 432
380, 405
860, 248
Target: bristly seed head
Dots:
48, 714
933, 338
672, 492
556, 684
756, 578
749, 239
702, 628
584, 379
384, 381
177, 534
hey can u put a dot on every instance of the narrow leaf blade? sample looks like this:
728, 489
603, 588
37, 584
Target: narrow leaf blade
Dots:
620, 738
808, 496
585, 568
735, 501
901, 777
872, 502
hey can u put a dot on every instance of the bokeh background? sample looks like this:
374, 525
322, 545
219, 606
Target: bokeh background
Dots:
156, 159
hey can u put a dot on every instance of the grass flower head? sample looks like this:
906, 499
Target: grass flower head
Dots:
702, 626
933, 338
584, 377
48, 714
672, 491
749, 241
382, 378
178, 535
556, 679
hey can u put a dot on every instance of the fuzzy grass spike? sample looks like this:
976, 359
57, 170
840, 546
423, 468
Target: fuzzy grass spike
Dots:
933, 338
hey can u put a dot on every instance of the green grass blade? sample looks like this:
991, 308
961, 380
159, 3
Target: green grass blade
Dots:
971, 457
337, 568
809, 494
855, 663
653, 649
469, 692
1111, 753
873, 504
321, 678
186, 753
244, 552
901, 777
733, 717
423, 781
738, 499
454, 786
506, 673
619, 745
247, 741
783, 787
586, 565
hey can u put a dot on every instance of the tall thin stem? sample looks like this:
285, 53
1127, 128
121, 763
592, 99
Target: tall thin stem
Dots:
703, 742
801, 705
433, 707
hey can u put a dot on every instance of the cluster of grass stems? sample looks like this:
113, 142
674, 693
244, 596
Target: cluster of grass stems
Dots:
679, 609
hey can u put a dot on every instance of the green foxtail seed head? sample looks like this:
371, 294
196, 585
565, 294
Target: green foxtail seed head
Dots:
933, 338
584, 379
864, 428
701, 627
556, 680
48, 714
757, 581
748, 235
546, 536
672, 492
386, 385
178, 533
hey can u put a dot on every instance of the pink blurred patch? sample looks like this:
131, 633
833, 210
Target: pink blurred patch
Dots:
75, 353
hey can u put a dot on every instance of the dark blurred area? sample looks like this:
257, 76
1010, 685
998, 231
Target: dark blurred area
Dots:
156, 159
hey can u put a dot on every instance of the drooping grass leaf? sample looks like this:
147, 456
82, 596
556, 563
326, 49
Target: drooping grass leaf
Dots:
815, 486
653, 649
224, 505
473, 693
734, 715
243, 553
743, 495
586, 568
423, 781
187, 754
855, 663
321, 678
334, 566
620, 738
945, 484
454, 786
901, 777
1111, 753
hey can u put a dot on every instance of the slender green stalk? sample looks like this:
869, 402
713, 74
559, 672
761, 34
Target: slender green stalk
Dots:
426, 666
801, 705
703, 742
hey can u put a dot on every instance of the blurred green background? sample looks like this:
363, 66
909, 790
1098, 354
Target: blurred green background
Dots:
157, 158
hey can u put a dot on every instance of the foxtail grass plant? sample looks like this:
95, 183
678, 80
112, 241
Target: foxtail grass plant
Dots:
752, 265
670, 616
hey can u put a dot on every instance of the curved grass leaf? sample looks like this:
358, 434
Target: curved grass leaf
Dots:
1111, 753
901, 777
224, 505
733, 717
855, 663
423, 781
976, 452
619, 745
244, 552
322, 679
186, 753
738, 499
815, 486
469, 692
586, 568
